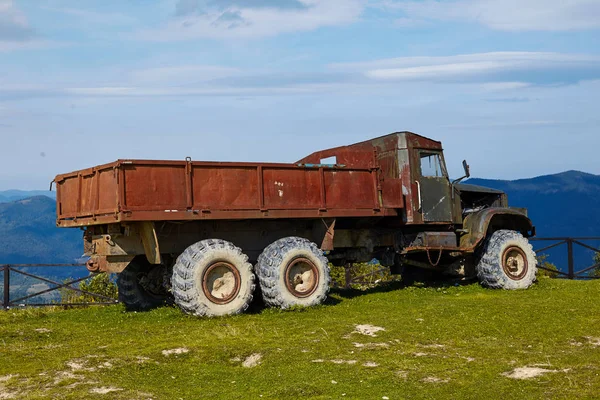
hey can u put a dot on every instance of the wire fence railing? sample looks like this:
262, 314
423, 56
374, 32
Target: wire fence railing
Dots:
571, 244
33, 297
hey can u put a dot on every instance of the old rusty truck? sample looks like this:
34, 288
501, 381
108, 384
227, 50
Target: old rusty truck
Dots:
209, 236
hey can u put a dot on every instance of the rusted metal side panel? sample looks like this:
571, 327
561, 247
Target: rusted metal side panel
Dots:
154, 187
350, 190
226, 187
292, 189
106, 191
405, 175
67, 195
87, 193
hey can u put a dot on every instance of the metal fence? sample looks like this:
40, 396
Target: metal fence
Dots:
10, 270
570, 243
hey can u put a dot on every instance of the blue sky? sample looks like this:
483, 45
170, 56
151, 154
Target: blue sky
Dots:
513, 86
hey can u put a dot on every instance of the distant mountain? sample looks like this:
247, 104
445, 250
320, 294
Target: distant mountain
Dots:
565, 204
30, 236
561, 205
14, 195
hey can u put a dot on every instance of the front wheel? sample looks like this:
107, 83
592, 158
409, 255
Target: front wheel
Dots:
293, 272
507, 261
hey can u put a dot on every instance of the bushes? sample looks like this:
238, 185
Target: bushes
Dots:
102, 284
550, 270
596, 271
362, 275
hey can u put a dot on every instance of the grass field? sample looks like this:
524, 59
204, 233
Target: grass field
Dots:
441, 342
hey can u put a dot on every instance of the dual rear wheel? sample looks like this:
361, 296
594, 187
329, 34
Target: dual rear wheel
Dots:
214, 278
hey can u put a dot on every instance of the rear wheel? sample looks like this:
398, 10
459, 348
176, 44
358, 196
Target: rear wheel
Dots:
140, 285
293, 271
507, 261
212, 278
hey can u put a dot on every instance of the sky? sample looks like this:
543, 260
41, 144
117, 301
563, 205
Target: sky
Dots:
513, 86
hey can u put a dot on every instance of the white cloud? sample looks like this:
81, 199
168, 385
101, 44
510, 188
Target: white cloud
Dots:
14, 28
500, 86
163, 91
185, 74
237, 21
93, 17
486, 67
507, 15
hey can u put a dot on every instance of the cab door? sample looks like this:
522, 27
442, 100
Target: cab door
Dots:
434, 187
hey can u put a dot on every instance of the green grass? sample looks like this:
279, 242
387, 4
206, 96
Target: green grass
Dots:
447, 342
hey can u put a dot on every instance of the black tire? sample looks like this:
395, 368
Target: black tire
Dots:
293, 272
213, 278
130, 283
507, 262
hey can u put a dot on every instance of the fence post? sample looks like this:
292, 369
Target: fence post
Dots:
348, 275
571, 260
6, 299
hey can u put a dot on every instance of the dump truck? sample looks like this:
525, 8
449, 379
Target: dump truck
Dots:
210, 236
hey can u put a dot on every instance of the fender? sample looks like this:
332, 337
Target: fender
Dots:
477, 225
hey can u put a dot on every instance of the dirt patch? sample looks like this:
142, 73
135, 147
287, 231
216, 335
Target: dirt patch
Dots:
318, 361
105, 390
4, 392
433, 346
368, 330
52, 346
370, 345
349, 362
75, 384
42, 330
434, 379
370, 364
528, 372
252, 360
80, 366
594, 341
402, 374
105, 365
180, 350
65, 375
420, 354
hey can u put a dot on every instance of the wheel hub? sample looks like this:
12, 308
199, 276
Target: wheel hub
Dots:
514, 263
301, 277
221, 282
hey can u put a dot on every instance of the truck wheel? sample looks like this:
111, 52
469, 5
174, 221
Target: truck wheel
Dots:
213, 278
293, 271
508, 262
138, 286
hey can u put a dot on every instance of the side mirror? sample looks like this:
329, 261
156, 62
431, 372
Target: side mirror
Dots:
467, 169
467, 175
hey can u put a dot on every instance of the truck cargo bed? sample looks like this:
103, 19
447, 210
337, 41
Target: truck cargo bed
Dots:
146, 190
